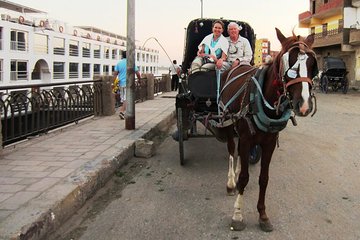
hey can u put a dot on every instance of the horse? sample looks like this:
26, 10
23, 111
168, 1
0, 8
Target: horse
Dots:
259, 102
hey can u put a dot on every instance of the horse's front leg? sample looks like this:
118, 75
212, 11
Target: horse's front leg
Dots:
237, 221
267, 151
231, 183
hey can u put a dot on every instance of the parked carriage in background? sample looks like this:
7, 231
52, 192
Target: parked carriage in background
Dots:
334, 75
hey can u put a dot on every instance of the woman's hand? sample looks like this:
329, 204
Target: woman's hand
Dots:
201, 53
235, 63
219, 63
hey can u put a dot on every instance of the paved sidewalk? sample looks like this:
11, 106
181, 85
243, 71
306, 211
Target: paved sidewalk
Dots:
46, 179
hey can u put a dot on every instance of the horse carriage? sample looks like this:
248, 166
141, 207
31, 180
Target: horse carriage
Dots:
334, 75
248, 103
197, 98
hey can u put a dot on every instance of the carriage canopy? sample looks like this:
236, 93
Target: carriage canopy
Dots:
333, 63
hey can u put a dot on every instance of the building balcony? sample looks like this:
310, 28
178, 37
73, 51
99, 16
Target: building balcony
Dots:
354, 37
328, 38
324, 11
305, 19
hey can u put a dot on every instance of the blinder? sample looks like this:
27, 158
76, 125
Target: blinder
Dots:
298, 71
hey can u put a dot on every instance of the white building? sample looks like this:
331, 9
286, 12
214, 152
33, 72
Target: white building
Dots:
35, 49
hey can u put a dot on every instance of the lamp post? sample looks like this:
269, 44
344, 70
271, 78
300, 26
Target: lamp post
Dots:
130, 73
159, 45
201, 8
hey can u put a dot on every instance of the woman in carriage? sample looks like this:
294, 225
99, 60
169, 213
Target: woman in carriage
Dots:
212, 49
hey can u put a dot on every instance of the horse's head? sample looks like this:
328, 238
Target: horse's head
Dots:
297, 66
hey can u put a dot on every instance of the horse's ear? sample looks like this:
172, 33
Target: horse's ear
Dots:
310, 39
280, 36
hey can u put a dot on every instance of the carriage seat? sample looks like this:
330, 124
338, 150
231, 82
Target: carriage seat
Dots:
203, 87
203, 84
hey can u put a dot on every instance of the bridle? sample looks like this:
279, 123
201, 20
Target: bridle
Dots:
300, 64
297, 72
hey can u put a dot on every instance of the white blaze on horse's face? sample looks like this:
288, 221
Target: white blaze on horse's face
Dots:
299, 68
305, 93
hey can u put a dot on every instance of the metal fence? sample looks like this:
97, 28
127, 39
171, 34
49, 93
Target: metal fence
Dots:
31, 110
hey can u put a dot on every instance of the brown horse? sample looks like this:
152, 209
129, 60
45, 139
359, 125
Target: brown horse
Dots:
259, 108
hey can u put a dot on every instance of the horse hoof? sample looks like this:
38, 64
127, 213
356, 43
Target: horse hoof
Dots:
265, 225
230, 191
237, 225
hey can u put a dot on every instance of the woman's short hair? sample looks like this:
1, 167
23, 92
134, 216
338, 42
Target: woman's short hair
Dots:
219, 22
234, 24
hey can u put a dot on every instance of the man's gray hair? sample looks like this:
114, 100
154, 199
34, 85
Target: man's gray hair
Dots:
234, 24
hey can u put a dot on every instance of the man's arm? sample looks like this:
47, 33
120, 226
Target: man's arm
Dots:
248, 53
178, 70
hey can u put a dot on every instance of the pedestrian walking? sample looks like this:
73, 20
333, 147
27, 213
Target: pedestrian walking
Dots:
120, 72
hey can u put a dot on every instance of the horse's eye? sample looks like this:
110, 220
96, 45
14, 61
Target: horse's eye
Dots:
292, 73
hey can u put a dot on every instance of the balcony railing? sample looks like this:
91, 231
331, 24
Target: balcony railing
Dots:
59, 51
328, 38
18, 46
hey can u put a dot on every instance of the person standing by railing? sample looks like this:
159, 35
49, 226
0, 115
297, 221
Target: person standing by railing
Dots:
174, 71
120, 72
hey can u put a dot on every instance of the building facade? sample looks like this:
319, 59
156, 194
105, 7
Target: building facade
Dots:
262, 49
35, 49
335, 24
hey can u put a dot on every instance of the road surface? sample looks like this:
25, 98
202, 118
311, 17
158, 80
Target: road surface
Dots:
313, 191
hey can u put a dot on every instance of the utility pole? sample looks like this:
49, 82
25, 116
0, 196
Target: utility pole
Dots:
201, 8
130, 72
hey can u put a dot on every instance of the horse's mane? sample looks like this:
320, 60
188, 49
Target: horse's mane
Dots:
285, 45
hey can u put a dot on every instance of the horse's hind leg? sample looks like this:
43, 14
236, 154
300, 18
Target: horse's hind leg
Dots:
267, 152
231, 183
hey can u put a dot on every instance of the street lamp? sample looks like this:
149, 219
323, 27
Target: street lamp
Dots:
201, 8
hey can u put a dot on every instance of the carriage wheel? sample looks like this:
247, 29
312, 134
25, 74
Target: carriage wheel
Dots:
180, 135
255, 154
345, 85
325, 84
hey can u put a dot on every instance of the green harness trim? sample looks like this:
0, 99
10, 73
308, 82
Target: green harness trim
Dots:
262, 121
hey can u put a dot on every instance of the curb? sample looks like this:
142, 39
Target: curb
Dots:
84, 184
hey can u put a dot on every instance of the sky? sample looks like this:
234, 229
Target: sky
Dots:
166, 20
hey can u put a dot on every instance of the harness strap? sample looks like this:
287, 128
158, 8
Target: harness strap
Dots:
261, 94
237, 94
298, 80
232, 99
225, 123
228, 82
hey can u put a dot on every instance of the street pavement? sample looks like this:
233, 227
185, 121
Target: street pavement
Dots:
44, 180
